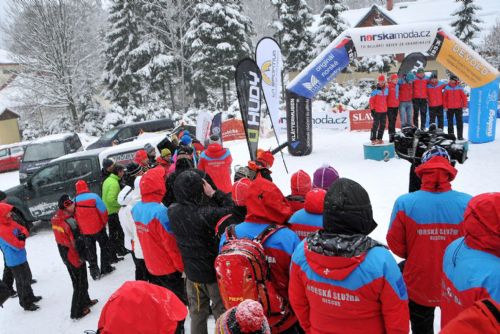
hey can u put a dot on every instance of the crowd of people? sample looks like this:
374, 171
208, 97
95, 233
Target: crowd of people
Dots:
263, 262
412, 96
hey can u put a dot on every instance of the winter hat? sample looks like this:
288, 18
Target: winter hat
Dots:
324, 177
5, 209
348, 209
133, 168
141, 307
118, 168
239, 192
394, 76
140, 156
106, 163
454, 77
166, 153
420, 70
188, 187
434, 76
300, 183
81, 187
214, 139
482, 223
64, 202
266, 203
381, 78
149, 149
247, 317
435, 151
315, 201
186, 139
266, 158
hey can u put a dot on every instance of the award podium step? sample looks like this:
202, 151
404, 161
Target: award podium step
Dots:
379, 152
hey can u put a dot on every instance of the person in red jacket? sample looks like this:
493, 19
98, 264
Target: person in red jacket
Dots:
216, 161
420, 98
393, 105
435, 98
301, 184
309, 219
91, 216
341, 280
454, 100
482, 317
141, 307
423, 224
405, 99
66, 231
378, 107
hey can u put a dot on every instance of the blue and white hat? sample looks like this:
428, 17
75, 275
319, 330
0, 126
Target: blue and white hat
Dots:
435, 151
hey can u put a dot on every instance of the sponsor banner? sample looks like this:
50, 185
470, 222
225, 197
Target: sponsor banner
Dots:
249, 87
215, 128
324, 68
203, 121
299, 124
270, 61
412, 63
233, 130
482, 112
394, 39
327, 120
362, 120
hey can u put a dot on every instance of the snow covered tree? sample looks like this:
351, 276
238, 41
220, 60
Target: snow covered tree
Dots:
380, 63
293, 30
331, 25
466, 23
218, 37
490, 48
123, 58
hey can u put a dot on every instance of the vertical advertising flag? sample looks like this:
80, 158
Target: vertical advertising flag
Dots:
249, 86
203, 126
482, 112
269, 59
216, 127
299, 124
412, 63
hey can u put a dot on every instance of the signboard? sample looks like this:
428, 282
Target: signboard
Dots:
326, 120
362, 120
233, 130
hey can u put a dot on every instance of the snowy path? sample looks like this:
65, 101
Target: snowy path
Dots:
384, 181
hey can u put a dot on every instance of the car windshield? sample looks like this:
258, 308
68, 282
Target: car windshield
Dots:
45, 151
110, 134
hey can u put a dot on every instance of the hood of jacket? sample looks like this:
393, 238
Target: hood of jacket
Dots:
300, 183
188, 187
315, 201
336, 256
482, 223
215, 150
266, 203
152, 185
436, 174
81, 187
4, 211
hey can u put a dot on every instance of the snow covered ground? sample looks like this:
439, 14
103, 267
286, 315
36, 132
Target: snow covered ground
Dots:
384, 181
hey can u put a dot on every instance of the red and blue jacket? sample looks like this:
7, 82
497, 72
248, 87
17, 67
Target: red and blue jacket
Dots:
216, 161
423, 224
435, 93
420, 87
405, 91
378, 99
90, 211
309, 219
65, 239
279, 248
13, 249
454, 97
361, 294
161, 254
393, 97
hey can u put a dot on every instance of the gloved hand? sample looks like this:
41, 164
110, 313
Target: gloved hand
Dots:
21, 236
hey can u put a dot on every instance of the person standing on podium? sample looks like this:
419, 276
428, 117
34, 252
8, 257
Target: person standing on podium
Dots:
378, 107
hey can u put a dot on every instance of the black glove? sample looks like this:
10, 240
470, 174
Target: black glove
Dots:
21, 236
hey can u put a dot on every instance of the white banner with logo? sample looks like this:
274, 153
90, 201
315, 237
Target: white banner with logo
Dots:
270, 61
327, 120
379, 40
203, 122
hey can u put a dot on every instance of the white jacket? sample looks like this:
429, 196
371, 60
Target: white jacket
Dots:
127, 198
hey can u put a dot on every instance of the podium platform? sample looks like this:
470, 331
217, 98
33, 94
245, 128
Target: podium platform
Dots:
379, 152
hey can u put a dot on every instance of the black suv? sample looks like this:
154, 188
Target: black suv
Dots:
128, 132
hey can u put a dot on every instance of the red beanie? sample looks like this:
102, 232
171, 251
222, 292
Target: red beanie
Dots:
140, 156
81, 187
300, 183
394, 76
267, 158
239, 192
381, 77
315, 201
247, 317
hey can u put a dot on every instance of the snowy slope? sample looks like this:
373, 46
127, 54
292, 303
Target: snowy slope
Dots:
384, 181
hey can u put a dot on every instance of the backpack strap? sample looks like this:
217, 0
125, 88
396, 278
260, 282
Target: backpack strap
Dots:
492, 308
268, 231
219, 223
231, 232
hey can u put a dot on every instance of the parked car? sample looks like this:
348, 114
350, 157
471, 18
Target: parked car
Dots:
42, 150
36, 199
11, 155
128, 132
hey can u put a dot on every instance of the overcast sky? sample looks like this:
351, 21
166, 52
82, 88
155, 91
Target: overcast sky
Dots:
3, 8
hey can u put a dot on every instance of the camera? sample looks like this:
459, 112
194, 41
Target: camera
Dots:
411, 143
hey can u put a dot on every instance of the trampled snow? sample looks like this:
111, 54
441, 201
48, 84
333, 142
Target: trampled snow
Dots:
384, 181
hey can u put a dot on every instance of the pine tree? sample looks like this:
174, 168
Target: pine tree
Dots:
490, 48
466, 24
331, 25
293, 24
219, 36
123, 59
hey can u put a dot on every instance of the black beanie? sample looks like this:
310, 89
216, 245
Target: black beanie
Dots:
348, 209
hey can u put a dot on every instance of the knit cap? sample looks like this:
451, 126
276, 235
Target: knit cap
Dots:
247, 317
324, 177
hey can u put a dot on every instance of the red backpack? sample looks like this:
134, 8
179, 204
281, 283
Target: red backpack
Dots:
244, 273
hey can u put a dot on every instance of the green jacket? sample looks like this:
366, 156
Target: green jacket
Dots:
110, 191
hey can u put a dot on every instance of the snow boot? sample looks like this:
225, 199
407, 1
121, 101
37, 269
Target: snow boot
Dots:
84, 313
93, 302
31, 307
36, 299
107, 271
94, 272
